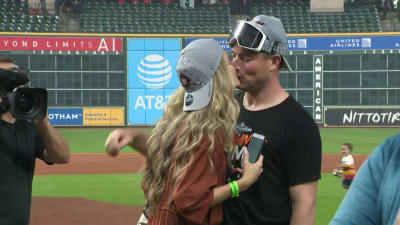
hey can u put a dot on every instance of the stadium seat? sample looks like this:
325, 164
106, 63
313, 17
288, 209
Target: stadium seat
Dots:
157, 17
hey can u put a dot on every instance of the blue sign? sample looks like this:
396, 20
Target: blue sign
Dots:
65, 116
222, 41
344, 43
152, 77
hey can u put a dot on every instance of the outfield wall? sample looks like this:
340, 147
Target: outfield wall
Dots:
117, 80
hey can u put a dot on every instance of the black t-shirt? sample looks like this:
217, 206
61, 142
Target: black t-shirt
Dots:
20, 144
292, 155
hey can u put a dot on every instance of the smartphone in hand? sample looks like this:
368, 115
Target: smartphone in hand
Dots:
255, 147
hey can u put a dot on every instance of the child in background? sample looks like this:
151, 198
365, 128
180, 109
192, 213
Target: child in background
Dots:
346, 168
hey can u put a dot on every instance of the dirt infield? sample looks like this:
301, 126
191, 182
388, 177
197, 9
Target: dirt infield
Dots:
94, 164
79, 211
132, 162
330, 161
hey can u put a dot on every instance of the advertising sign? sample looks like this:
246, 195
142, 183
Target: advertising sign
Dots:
65, 116
103, 117
362, 117
80, 44
222, 41
317, 90
86, 116
344, 43
152, 77
308, 43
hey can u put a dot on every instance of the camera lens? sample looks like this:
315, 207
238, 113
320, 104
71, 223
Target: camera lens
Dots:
28, 103
25, 103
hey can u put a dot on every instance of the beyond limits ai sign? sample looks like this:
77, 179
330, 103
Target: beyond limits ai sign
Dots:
152, 77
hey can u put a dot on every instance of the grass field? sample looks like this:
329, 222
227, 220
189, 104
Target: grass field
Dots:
363, 139
88, 140
330, 195
125, 189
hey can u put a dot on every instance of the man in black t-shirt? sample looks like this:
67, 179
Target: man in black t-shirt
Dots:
21, 142
285, 193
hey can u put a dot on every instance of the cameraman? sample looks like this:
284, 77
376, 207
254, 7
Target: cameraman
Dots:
21, 142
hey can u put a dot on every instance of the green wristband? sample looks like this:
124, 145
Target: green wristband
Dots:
234, 188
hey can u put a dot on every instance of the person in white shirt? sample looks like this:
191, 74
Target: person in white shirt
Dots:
346, 169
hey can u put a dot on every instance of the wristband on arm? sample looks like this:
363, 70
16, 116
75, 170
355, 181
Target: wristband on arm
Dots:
234, 188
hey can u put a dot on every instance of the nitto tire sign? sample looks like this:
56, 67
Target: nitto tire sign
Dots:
371, 117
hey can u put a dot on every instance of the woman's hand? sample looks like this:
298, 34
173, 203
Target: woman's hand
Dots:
250, 171
117, 140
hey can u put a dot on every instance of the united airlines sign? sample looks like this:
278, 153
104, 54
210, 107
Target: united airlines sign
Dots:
344, 43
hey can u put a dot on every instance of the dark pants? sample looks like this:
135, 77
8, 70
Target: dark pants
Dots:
235, 7
385, 9
246, 7
76, 9
57, 6
43, 6
346, 183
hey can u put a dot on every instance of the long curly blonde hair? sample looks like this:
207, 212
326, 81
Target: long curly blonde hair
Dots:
179, 133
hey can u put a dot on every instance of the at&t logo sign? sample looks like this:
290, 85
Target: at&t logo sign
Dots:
154, 71
152, 78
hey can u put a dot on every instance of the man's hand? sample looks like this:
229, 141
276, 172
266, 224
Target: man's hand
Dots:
56, 146
45, 121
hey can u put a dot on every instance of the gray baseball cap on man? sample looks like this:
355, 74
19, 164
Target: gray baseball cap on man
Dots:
262, 33
196, 68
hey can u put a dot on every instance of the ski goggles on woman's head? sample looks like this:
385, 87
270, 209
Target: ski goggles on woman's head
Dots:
248, 36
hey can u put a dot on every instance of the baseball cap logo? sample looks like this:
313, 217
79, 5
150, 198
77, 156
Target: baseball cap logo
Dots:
154, 71
189, 99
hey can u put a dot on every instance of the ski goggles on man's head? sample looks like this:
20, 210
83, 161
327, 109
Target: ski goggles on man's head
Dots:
248, 36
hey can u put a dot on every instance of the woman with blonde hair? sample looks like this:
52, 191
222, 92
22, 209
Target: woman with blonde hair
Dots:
190, 148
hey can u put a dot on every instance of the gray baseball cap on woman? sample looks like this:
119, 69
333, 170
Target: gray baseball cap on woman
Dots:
275, 41
196, 68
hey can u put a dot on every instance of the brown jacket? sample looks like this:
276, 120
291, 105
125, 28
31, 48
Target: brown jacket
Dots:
194, 191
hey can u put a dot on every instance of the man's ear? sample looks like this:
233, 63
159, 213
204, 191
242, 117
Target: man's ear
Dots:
276, 61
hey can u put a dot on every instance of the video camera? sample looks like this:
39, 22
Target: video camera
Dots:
24, 103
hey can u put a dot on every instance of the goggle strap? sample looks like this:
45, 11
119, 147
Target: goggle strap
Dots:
274, 47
